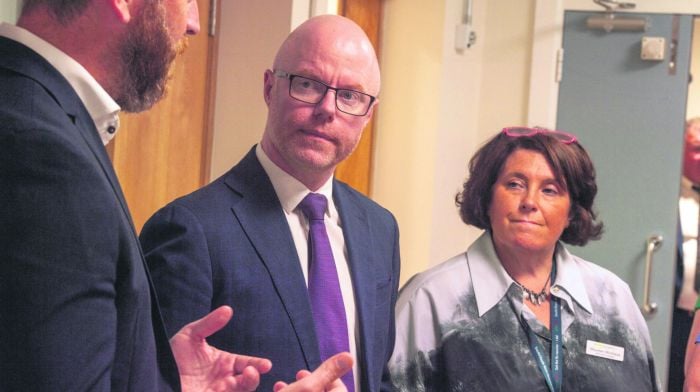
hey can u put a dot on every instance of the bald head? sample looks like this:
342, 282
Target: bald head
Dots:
332, 38
323, 71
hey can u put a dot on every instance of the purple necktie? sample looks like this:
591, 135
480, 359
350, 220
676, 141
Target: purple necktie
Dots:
324, 289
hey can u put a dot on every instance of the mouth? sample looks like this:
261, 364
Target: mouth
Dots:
524, 222
317, 135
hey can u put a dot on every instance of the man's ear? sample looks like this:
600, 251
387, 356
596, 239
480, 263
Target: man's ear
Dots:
122, 9
267, 85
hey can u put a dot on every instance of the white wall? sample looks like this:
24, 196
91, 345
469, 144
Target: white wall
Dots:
9, 9
437, 107
250, 33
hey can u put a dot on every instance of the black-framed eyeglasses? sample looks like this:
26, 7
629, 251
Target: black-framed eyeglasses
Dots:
312, 91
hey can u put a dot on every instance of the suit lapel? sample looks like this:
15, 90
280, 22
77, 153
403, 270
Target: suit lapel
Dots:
260, 215
358, 241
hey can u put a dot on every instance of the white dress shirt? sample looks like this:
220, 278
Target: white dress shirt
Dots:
290, 193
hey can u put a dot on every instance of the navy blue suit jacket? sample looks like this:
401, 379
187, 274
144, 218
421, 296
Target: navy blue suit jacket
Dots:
229, 243
76, 309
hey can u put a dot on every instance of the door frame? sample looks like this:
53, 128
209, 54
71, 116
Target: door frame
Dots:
547, 40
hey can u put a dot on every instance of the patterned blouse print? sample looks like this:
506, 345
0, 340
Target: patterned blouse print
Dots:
458, 329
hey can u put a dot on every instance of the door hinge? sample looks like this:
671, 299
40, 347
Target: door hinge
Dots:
559, 65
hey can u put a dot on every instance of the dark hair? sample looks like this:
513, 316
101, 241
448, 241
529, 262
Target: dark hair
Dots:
64, 10
570, 165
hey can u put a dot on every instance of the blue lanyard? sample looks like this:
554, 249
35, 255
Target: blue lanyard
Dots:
554, 375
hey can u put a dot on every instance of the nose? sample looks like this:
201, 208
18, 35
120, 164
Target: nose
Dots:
193, 18
327, 103
527, 203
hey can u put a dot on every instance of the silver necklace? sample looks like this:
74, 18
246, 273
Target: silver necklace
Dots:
532, 296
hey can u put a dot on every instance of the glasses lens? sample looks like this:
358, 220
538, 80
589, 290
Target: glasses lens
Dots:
306, 90
563, 137
352, 102
312, 91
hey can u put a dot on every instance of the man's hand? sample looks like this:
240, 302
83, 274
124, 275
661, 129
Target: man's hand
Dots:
326, 378
205, 368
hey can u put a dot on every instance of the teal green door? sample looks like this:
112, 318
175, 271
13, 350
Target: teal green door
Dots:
629, 114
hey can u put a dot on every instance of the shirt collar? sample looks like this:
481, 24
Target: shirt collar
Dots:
101, 107
291, 191
491, 281
569, 280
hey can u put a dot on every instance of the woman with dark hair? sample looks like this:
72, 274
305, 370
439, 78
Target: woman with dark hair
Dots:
517, 311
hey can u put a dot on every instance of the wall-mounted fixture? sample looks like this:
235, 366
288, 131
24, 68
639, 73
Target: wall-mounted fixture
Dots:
465, 36
609, 21
653, 48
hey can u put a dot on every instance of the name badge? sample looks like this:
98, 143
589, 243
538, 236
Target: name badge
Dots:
602, 350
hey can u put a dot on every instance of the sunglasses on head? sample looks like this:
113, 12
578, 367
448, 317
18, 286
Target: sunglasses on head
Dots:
563, 137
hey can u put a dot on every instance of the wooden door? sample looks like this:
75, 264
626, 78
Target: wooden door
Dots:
356, 169
165, 152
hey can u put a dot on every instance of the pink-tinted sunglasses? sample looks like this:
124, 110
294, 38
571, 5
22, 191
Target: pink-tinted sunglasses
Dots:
563, 137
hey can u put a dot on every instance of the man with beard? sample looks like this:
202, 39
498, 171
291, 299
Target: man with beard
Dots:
250, 238
77, 309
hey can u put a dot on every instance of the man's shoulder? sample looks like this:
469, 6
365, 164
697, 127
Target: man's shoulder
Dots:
346, 193
32, 92
221, 193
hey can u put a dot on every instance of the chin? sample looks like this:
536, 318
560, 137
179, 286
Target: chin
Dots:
531, 244
315, 159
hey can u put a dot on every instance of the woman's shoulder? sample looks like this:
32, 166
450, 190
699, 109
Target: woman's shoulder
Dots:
602, 285
591, 271
444, 277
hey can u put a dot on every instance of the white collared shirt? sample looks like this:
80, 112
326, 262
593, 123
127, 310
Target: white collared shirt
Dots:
290, 193
458, 327
494, 281
101, 107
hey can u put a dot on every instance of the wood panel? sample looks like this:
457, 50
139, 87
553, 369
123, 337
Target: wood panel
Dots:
356, 169
165, 152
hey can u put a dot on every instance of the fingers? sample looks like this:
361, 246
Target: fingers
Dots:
325, 377
332, 369
248, 380
207, 325
279, 385
302, 373
244, 362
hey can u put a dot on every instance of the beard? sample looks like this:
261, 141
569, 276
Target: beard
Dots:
145, 55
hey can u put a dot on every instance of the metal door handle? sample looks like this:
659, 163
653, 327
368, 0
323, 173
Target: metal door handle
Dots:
653, 243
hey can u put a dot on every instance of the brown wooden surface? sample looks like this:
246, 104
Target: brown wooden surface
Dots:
165, 152
356, 169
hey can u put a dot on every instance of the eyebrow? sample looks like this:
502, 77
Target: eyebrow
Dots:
310, 75
550, 180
